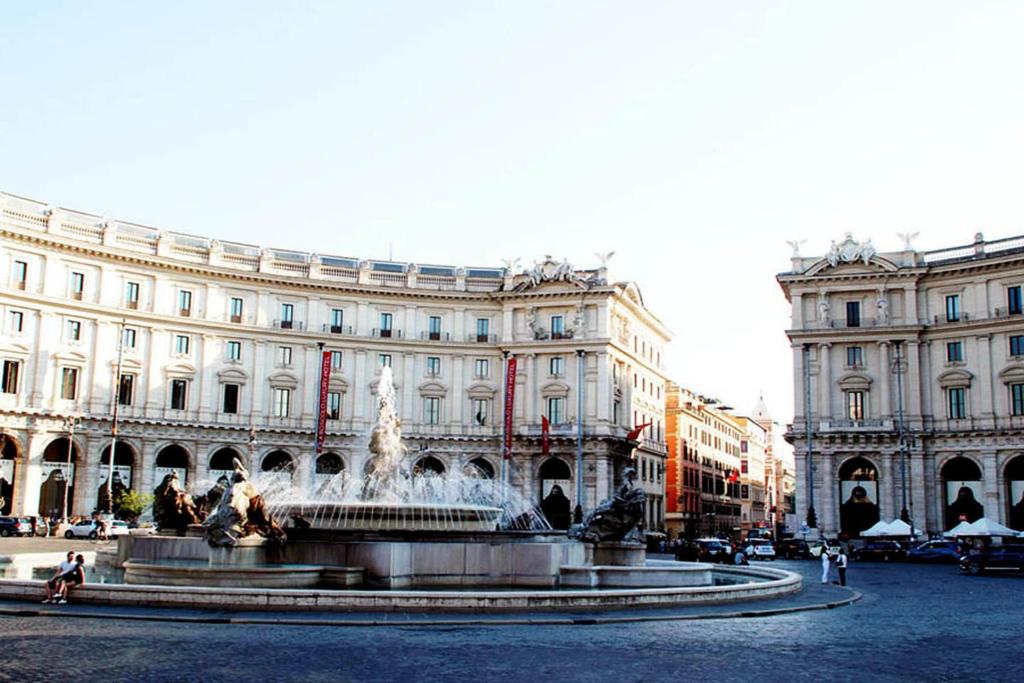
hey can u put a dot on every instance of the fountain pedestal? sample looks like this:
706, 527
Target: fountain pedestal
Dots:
615, 553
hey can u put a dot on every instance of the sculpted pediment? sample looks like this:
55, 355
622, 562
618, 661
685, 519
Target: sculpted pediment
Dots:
855, 380
955, 378
1012, 374
233, 375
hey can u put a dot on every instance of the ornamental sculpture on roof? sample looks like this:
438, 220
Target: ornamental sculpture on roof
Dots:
550, 270
850, 251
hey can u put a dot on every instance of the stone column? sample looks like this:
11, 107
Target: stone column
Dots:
410, 406
506, 325
459, 407
825, 385
927, 404
885, 369
990, 484
827, 520
532, 389
28, 477
886, 486
207, 376
912, 382
259, 374
155, 380
309, 385
604, 389
360, 387
983, 407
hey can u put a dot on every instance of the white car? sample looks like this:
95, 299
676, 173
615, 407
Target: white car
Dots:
87, 529
760, 549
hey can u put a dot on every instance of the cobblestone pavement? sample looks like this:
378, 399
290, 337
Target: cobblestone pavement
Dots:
914, 623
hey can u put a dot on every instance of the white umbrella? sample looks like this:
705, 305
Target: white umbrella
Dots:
879, 529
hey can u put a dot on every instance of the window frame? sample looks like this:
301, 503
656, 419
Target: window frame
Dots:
953, 312
955, 351
956, 403
433, 366
235, 312
282, 401
185, 303
237, 390
233, 350
855, 403
175, 394
181, 340
127, 379
853, 318
72, 373
555, 417
432, 410
11, 374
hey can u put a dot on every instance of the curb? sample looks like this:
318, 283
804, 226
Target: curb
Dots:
525, 621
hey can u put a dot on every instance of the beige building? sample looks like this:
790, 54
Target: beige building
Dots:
944, 326
753, 475
221, 360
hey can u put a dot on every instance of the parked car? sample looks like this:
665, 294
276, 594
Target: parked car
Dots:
831, 546
997, 557
15, 526
791, 548
935, 551
714, 550
886, 551
760, 549
88, 529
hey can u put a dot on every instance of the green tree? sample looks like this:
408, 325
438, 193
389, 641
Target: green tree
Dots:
131, 504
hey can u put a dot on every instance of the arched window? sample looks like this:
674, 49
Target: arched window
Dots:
8, 464
858, 496
555, 489
479, 468
277, 468
1015, 484
963, 491
55, 473
124, 461
173, 458
428, 466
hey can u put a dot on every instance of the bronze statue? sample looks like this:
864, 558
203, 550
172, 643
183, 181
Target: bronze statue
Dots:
615, 518
173, 508
241, 512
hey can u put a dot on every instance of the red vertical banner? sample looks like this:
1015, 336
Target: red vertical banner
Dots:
510, 401
545, 435
325, 380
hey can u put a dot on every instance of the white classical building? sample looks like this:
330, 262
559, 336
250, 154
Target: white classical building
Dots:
220, 360
947, 327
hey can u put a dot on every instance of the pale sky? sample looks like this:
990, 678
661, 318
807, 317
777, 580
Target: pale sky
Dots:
692, 139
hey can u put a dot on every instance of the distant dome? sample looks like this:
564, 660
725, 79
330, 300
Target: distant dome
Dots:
760, 413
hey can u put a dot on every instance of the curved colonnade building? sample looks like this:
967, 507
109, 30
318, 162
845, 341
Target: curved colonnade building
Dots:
221, 359
946, 327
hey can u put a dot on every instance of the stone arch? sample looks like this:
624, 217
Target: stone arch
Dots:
1013, 474
481, 468
428, 465
10, 453
963, 490
172, 458
277, 466
555, 491
858, 495
125, 471
221, 462
56, 476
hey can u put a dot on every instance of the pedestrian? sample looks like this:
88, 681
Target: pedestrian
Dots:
73, 579
824, 564
56, 583
841, 563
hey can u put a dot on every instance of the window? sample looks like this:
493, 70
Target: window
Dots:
956, 403
432, 410
284, 355
483, 329
184, 303
126, 390
556, 366
433, 365
282, 402
1016, 396
385, 324
855, 405
9, 380
74, 330
954, 352
287, 316
482, 368
334, 405
77, 286
129, 337
131, 294
181, 344
337, 320
179, 394
17, 321
234, 350
236, 310
69, 384
230, 403
556, 410
1016, 345
434, 327
21, 274
385, 360
557, 327
481, 410
336, 360
1013, 300
952, 308
853, 314
854, 356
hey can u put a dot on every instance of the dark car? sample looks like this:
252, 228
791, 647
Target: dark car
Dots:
935, 551
885, 551
15, 526
714, 550
791, 548
997, 557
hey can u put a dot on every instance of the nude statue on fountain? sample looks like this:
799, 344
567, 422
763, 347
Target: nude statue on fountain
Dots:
615, 518
241, 512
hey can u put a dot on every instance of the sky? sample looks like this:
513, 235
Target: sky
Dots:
691, 138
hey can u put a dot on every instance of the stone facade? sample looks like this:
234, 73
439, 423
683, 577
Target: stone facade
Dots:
221, 351
947, 327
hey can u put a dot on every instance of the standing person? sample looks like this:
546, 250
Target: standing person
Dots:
841, 563
824, 563
56, 582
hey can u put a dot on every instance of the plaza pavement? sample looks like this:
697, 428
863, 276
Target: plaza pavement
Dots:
913, 623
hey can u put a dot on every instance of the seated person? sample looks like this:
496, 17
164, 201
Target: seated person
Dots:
72, 579
56, 583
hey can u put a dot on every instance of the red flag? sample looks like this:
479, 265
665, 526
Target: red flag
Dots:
325, 380
510, 401
545, 432
635, 434
734, 476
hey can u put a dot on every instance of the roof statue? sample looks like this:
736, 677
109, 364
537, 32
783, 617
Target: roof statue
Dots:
907, 238
549, 270
850, 251
795, 245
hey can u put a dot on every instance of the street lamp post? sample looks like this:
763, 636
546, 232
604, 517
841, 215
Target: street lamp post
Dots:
580, 361
113, 422
901, 442
812, 518
70, 423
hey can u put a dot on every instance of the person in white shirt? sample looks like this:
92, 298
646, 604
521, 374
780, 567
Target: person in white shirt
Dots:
841, 563
824, 564
53, 586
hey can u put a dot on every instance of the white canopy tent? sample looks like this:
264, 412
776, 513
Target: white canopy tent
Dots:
880, 528
960, 529
982, 527
894, 529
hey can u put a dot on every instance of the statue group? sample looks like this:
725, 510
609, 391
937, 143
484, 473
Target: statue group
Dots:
616, 518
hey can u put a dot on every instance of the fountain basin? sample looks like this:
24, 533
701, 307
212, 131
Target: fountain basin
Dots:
373, 515
192, 573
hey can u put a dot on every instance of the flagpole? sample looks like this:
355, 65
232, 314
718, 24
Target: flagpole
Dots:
578, 511
504, 422
113, 422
